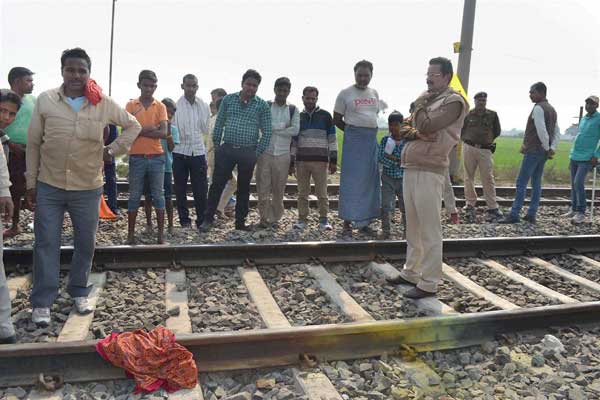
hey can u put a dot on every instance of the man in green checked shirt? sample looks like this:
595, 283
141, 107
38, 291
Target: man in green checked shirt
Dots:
238, 142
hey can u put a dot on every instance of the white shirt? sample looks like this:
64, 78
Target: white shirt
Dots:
542, 132
192, 120
283, 129
358, 106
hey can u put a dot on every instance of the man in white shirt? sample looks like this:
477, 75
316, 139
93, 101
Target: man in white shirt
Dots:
539, 142
189, 156
273, 165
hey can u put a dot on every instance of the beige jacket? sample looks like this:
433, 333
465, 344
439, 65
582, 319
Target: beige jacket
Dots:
432, 154
65, 148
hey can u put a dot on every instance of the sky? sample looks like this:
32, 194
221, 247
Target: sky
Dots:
317, 43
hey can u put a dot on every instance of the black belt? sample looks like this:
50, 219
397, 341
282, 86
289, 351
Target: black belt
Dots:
480, 146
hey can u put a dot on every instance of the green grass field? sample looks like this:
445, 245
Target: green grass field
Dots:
507, 160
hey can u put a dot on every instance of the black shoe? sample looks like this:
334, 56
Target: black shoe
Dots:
241, 226
494, 215
9, 340
416, 293
206, 226
509, 219
399, 280
529, 218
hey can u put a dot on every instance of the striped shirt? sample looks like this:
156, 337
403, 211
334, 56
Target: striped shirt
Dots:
192, 121
238, 124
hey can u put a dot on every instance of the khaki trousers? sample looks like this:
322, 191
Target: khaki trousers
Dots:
6, 326
474, 158
271, 178
422, 201
448, 196
318, 171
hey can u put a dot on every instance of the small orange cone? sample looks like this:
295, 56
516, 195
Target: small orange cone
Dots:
105, 211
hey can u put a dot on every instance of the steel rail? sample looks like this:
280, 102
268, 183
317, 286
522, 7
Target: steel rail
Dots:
202, 255
333, 189
77, 361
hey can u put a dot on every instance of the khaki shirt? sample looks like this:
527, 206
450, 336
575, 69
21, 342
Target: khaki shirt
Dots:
65, 148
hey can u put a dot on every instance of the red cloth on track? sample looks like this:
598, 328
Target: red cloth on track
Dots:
152, 358
93, 92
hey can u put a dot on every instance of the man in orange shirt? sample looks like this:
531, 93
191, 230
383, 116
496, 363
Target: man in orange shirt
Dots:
146, 161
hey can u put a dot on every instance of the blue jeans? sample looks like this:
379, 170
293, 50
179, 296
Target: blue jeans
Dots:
51, 204
146, 169
110, 185
579, 170
532, 167
195, 168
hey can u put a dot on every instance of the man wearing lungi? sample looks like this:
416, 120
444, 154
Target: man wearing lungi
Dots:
355, 113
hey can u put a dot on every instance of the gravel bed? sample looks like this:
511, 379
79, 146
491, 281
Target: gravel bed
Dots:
498, 284
219, 301
130, 300
27, 331
299, 296
522, 367
115, 232
575, 266
267, 384
380, 299
549, 279
461, 300
379, 378
105, 390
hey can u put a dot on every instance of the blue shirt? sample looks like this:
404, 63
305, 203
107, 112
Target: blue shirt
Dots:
75, 103
391, 168
169, 154
585, 145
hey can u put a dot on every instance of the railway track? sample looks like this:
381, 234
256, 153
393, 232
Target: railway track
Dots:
552, 196
333, 189
491, 287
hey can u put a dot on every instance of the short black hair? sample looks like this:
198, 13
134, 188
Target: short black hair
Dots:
18, 72
310, 89
10, 96
168, 102
147, 74
480, 94
219, 92
363, 64
445, 65
540, 87
77, 52
412, 106
283, 81
218, 103
252, 73
189, 76
395, 116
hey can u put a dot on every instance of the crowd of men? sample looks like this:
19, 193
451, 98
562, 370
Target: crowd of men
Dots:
61, 144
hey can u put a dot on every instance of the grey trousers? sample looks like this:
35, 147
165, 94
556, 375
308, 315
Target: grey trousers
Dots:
51, 204
6, 326
391, 188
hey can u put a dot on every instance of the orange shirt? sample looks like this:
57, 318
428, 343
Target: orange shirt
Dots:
151, 116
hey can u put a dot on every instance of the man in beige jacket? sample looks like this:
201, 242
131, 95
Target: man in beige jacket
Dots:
438, 117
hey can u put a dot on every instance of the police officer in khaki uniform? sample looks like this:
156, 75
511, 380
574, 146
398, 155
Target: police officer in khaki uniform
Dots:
480, 129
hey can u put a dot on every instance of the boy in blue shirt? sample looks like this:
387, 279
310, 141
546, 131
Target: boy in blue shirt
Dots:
390, 150
168, 144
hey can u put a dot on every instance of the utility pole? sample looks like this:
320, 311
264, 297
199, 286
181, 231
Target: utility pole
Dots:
112, 37
466, 43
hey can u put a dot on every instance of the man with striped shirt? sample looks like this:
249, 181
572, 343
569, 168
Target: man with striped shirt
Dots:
189, 156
